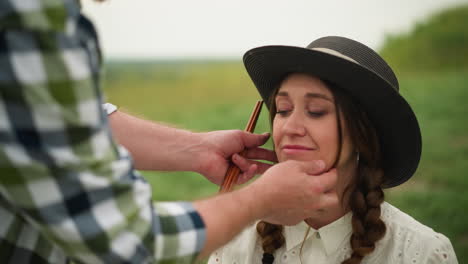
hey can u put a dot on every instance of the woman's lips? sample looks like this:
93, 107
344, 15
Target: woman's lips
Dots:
295, 149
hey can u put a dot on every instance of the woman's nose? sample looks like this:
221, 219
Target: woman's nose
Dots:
295, 125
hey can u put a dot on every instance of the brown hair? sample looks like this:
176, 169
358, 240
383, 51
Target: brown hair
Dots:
364, 192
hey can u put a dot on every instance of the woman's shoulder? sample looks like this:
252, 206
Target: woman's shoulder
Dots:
238, 250
410, 238
393, 216
398, 220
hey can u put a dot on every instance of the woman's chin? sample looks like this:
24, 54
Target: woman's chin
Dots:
304, 158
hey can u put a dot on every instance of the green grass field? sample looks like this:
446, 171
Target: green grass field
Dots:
203, 96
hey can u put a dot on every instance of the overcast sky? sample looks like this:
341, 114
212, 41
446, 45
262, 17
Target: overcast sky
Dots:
221, 28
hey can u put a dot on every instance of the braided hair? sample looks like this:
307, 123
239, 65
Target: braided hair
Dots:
364, 193
272, 239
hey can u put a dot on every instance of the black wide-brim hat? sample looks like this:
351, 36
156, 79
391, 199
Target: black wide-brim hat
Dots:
360, 71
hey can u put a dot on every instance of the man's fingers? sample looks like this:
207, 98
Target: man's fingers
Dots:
262, 167
324, 182
244, 164
328, 200
313, 167
323, 203
261, 154
254, 140
240, 162
246, 176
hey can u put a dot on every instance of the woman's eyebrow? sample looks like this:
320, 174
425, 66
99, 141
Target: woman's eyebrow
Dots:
282, 94
308, 95
318, 95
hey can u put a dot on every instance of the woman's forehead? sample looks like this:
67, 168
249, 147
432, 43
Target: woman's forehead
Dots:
304, 85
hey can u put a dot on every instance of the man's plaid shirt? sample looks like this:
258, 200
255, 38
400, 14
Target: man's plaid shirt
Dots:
68, 192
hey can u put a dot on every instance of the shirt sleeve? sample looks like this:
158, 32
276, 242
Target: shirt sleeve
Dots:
60, 168
441, 251
109, 108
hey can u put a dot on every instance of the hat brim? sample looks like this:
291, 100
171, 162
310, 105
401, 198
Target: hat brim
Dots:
392, 117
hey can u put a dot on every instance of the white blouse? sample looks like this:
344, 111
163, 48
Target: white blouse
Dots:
405, 241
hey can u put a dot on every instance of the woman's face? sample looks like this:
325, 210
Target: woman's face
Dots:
305, 125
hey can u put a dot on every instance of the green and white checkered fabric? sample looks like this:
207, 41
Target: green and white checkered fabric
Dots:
68, 192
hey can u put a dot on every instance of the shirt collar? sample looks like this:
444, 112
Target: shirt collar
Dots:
294, 235
331, 235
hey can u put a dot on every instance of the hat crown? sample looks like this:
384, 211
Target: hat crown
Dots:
360, 54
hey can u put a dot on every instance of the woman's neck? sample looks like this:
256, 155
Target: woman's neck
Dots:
325, 217
346, 174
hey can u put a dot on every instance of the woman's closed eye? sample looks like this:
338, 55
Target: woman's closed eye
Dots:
316, 114
283, 112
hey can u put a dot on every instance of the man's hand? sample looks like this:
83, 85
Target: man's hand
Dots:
218, 148
294, 191
158, 147
286, 194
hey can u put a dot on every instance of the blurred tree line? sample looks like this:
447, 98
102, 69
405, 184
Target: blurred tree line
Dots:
439, 43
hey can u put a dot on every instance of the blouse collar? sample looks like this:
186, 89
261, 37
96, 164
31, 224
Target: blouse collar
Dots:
331, 235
